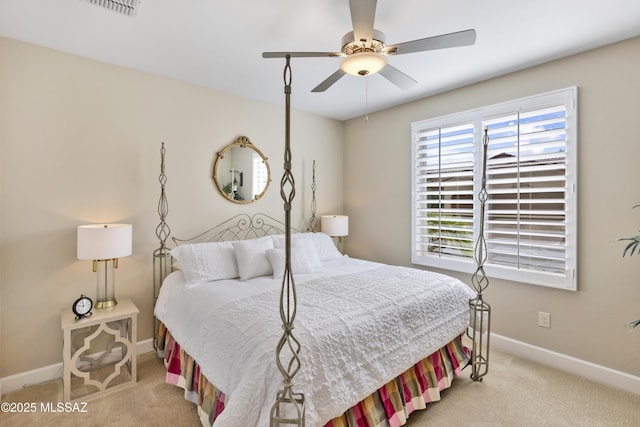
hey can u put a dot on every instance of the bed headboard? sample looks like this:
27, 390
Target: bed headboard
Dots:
238, 227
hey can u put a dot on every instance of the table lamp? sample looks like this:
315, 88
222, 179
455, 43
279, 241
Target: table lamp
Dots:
335, 225
104, 244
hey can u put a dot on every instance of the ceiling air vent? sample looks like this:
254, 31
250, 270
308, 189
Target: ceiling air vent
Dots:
124, 7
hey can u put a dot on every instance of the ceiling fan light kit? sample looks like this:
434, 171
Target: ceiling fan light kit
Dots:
363, 63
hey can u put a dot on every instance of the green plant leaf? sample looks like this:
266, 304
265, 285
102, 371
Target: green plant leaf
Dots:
632, 246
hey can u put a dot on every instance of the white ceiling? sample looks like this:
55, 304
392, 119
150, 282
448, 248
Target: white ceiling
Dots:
218, 43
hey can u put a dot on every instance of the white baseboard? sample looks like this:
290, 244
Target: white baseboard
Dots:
51, 372
582, 368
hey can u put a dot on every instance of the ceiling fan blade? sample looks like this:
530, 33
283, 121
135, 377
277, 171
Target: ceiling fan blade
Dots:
326, 84
397, 77
363, 13
301, 54
443, 41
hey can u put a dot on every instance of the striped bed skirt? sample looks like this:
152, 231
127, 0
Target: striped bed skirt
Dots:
390, 405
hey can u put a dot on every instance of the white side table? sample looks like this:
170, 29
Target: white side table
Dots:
112, 330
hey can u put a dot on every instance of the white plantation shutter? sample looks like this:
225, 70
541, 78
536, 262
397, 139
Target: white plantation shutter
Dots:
444, 190
526, 183
530, 224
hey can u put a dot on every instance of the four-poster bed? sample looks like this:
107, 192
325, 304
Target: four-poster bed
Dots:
372, 344
200, 320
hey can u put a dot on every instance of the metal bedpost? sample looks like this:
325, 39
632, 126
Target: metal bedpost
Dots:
161, 256
480, 329
313, 222
289, 405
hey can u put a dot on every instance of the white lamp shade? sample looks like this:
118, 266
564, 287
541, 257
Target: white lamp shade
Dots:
104, 241
335, 225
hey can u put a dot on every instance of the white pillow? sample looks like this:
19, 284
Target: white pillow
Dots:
299, 261
326, 248
307, 245
205, 262
278, 239
308, 242
252, 257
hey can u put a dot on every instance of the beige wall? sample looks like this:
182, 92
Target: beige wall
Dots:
80, 143
588, 324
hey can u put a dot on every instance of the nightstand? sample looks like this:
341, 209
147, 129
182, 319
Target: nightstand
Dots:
100, 350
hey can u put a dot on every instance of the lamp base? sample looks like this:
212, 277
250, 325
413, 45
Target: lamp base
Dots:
106, 285
106, 304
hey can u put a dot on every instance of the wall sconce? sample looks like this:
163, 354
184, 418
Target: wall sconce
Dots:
335, 225
103, 243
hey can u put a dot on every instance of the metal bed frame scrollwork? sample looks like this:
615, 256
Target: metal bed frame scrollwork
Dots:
162, 262
239, 227
480, 330
313, 221
288, 407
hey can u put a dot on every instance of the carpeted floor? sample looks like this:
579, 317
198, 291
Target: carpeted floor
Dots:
516, 392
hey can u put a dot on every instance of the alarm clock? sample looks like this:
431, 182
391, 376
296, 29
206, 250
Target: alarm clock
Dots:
82, 307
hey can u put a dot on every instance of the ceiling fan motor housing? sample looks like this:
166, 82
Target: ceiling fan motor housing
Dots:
351, 45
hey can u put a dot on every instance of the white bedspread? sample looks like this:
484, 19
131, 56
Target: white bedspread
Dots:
357, 331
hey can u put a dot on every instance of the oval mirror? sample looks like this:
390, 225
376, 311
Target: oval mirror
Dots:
241, 172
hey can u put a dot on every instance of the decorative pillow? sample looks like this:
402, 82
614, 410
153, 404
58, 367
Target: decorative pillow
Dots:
326, 248
299, 261
205, 262
252, 257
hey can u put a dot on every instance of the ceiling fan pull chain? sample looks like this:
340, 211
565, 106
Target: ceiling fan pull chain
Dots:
366, 99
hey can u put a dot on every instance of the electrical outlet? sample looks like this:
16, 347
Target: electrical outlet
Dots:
544, 319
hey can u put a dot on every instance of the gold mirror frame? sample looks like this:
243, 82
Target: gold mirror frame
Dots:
236, 176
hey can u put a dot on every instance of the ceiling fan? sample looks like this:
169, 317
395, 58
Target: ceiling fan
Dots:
364, 51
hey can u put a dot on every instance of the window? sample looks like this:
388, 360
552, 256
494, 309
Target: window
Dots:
530, 220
